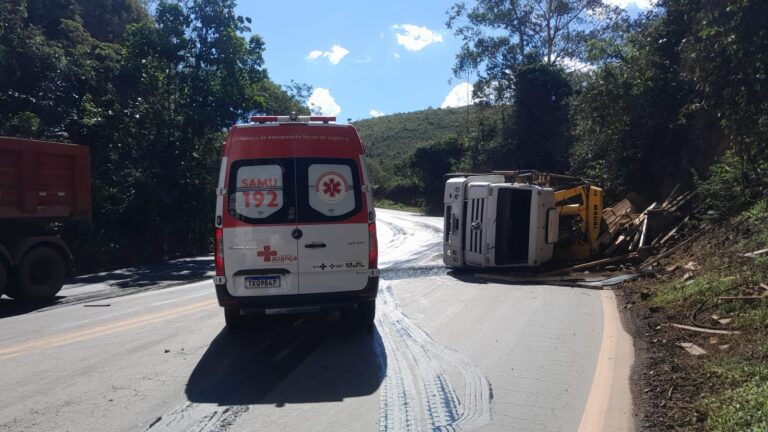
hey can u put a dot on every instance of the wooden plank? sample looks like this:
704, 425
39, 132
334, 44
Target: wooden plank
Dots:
670, 197
755, 254
674, 249
643, 232
674, 230
680, 201
612, 248
705, 330
692, 348
591, 264
635, 239
755, 297
623, 206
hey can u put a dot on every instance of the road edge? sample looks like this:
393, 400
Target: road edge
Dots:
609, 404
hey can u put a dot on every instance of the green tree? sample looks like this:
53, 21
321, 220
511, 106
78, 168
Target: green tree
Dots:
430, 164
151, 95
690, 83
501, 36
541, 125
726, 59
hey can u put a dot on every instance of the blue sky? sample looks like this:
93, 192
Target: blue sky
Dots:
365, 58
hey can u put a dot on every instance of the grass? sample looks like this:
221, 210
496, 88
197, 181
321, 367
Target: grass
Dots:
743, 406
387, 204
683, 294
734, 393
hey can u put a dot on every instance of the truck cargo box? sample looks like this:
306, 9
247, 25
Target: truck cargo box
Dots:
44, 180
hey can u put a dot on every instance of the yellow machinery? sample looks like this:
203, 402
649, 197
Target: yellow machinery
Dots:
580, 206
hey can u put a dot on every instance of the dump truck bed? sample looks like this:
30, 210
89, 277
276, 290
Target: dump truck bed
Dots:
44, 180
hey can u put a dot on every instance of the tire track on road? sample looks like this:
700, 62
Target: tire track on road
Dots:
441, 408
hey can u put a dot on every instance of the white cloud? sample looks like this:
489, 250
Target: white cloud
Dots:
415, 38
396, 55
322, 103
334, 55
641, 4
368, 59
575, 65
461, 95
375, 113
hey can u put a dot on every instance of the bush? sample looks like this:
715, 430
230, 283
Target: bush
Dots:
730, 188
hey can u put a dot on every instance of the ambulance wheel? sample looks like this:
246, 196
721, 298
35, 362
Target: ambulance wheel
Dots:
3, 277
365, 315
235, 321
40, 275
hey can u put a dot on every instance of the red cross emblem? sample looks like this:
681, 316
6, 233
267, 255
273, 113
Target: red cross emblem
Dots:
267, 253
331, 187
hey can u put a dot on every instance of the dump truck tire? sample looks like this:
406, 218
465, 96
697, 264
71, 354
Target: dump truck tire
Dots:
40, 275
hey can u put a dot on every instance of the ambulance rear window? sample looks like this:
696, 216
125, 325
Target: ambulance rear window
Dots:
332, 191
262, 191
294, 190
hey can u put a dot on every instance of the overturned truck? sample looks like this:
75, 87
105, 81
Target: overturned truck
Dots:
519, 219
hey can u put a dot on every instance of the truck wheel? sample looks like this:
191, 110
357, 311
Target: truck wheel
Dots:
40, 275
3, 277
236, 322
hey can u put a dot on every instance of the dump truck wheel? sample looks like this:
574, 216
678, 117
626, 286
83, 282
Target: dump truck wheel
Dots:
40, 275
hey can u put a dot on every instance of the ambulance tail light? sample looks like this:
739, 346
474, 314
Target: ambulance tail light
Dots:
324, 119
292, 118
373, 247
219, 257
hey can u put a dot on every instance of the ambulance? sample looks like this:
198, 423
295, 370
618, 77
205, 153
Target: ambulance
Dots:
295, 223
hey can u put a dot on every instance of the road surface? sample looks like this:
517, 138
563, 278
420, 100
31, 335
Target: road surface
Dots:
146, 350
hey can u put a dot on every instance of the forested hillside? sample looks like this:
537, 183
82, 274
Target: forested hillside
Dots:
151, 93
391, 141
654, 102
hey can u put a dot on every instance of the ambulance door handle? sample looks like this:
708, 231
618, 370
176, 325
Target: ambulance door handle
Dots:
314, 245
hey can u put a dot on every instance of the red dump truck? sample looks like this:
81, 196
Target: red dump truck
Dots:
40, 182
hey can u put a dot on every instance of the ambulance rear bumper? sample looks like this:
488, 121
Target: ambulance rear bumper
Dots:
298, 303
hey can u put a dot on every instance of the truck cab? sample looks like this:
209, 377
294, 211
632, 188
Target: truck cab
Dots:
492, 223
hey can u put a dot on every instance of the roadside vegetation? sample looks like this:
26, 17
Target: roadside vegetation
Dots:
711, 285
151, 93
677, 96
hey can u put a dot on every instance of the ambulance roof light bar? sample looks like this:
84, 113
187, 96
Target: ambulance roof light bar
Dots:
292, 118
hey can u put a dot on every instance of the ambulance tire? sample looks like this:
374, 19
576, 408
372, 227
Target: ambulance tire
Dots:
236, 322
3, 277
365, 316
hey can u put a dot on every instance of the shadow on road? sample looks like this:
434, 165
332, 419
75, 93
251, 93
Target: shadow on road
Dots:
10, 308
180, 270
117, 283
286, 361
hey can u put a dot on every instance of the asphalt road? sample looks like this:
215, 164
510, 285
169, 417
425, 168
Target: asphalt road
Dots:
146, 350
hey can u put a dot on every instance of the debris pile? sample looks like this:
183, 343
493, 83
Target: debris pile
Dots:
633, 235
658, 225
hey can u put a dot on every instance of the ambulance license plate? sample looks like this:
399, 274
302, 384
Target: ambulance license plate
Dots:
262, 282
